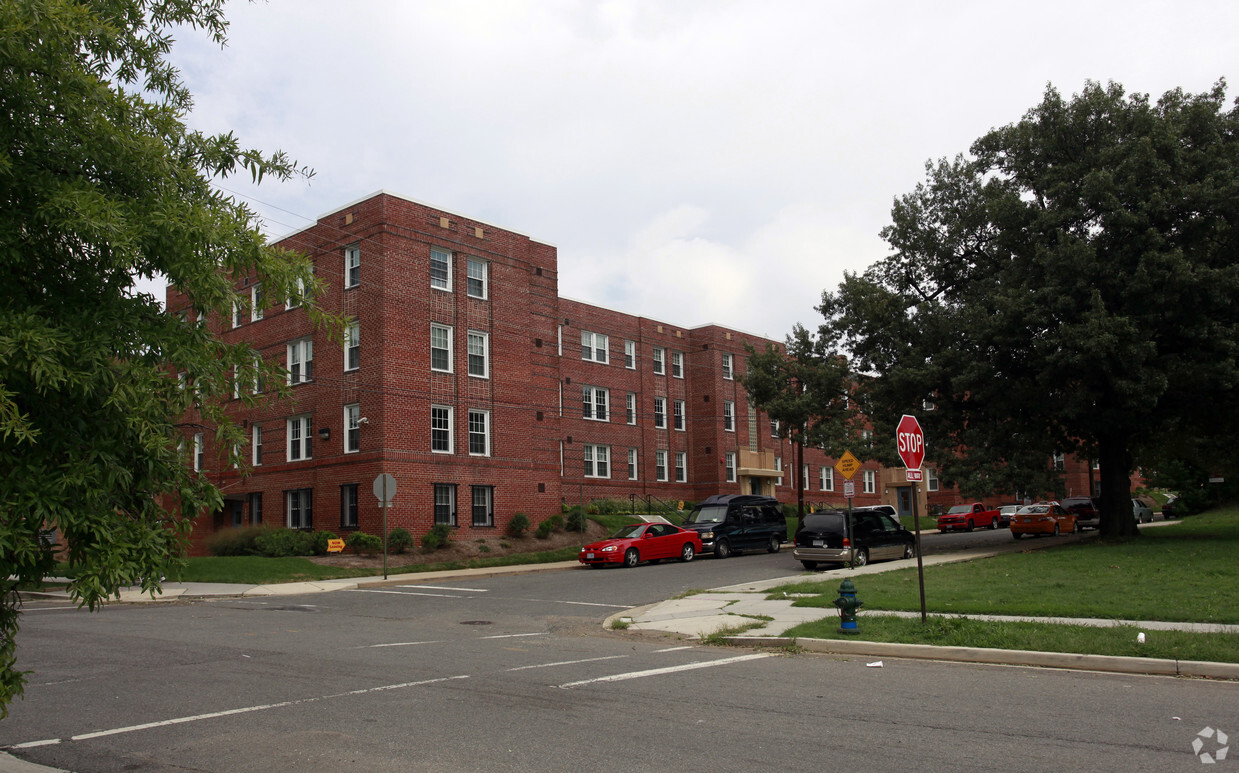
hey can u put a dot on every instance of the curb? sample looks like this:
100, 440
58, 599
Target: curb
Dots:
1064, 660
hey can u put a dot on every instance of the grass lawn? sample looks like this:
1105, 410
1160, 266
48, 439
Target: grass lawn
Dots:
1185, 572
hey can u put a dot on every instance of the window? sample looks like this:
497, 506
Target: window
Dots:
729, 416
630, 355
660, 465
774, 428
299, 508
871, 481
866, 436
804, 475
729, 465
257, 374
660, 412
479, 433
299, 438
441, 348
677, 364
827, 479
256, 443
632, 464
1060, 462
352, 428
594, 403
352, 346
352, 266
483, 506
659, 365
255, 509
929, 405
294, 300
479, 354
238, 314
931, 479
300, 361
778, 465
199, 452
681, 467
255, 303
597, 461
630, 407
728, 368
348, 506
445, 504
677, 410
440, 269
440, 429
477, 271
594, 346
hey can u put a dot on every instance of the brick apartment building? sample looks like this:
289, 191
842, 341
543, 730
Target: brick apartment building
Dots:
484, 393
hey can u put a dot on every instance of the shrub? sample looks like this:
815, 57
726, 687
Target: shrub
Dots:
483, 548
399, 540
440, 535
277, 543
518, 525
556, 521
575, 521
235, 542
364, 544
544, 529
321, 538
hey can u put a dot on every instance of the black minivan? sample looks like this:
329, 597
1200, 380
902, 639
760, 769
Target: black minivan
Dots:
875, 536
730, 523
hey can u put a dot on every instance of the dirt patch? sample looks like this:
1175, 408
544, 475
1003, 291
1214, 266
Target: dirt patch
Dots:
465, 549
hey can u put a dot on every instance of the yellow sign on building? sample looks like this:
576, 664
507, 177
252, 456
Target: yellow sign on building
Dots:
847, 465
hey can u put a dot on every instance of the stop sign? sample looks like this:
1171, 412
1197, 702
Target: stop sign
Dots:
910, 442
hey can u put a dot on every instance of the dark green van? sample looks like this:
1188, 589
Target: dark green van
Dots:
731, 523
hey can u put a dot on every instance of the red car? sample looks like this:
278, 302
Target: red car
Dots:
639, 542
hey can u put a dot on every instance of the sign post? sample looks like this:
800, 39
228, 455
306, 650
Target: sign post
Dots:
847, 467
384, 489
910, 443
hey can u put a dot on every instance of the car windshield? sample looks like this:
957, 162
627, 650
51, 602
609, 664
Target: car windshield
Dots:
708, 514
1034, 509
959, 509
824, 522
630, 531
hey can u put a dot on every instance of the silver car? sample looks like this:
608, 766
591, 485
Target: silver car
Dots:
1143, 513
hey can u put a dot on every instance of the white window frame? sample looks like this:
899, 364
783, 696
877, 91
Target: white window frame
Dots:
870, 478
237, 314
445, 257
483, 498
729, 466
478, 340
299, 445
352, 266
483, 278
256, 303
729, 416
632, 464
256, 445
630, 355
804, 475
677, 415
677, 364
305, 508
630, 407
660, 413
826, 478
778, 466
300, 352
931, 479
447, 329
446, 412
660, 361
481, 417
681, 467
352, 428
199, 452
597, 459
1060, 462
352, 346
728, 366
592, 407
595, 347
660, 466
293, 301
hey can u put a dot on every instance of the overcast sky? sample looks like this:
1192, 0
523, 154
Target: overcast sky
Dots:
694, 162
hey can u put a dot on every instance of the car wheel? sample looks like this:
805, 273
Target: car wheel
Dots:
810, 565
687, 552
1055, 530
774, 545
1017, 535
861, 558
631, 558
993, 524
970, 525
909, 551
722, 549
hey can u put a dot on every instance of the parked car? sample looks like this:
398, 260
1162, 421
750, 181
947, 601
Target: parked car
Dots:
1173, 508
1143, 513
823, 538
968, 517
1087, 511
1043, 518
731, 523
639, 542
1006, 513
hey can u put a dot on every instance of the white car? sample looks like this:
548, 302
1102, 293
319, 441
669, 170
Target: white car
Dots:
1143, 513
1006, 512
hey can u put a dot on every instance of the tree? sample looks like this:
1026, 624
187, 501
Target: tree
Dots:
101, 181
1070, 287
806, 389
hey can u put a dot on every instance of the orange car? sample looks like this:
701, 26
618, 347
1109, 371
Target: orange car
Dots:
1042, 518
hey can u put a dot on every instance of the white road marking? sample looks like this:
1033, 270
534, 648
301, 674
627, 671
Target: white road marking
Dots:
587, 604
567, 663
231, 712
511, 635
444, 587
676, 649
396, 644
658, 671
406, 593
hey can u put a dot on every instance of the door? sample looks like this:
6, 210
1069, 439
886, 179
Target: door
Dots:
903, 502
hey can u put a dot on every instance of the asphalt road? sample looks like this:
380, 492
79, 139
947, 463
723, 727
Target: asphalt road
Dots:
515, 673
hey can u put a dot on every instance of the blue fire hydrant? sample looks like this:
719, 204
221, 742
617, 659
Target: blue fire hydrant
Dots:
848, 604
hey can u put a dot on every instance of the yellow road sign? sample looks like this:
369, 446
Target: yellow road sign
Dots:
847, 465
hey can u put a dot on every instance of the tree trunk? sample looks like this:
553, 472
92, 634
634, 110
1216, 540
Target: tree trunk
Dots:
1117, 519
